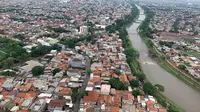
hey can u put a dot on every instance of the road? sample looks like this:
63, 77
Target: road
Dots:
82, 89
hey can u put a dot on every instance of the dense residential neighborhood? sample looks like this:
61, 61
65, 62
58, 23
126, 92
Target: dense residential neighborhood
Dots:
69, 56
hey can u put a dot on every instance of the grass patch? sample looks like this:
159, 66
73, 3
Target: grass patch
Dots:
174, 105
195, 54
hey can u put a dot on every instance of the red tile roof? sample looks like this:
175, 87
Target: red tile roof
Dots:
65, 91
106, 99
124, 78
128, 97
57, 103
95, 80
92, 96
131, 77
117, 100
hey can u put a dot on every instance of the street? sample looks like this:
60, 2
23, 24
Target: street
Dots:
82, 89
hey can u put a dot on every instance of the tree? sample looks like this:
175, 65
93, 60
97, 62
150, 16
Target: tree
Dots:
40, 50
8, 63
141, 77
117, 72
89, 71
8, 73
61, 30
182, 67
134, 83
149, 88
90, 27
135, 93
56, 70
37, 70
19, 36
117, 84
172, 109
74, 94
131, 52
196, 33
160, 87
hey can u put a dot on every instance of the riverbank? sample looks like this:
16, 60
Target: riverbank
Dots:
160, 95
136, 69
176, 90
165, 64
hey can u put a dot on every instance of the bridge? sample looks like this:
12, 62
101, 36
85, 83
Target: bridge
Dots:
138, 21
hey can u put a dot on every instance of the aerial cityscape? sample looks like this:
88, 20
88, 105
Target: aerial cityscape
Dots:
99, 56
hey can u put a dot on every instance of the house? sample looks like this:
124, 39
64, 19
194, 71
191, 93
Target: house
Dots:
96, 65
56, 105
27, 103
38, 106
44, 95
68, 101
9, 84
71, 72
14, 109
150, 106
105, 89
124, 78
92, 97
25, 88
77, 63
128, 99
12, 94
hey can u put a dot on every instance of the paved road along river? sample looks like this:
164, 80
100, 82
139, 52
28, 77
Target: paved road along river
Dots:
175, 89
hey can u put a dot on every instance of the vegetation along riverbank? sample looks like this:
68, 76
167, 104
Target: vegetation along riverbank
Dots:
132, 57
146, 34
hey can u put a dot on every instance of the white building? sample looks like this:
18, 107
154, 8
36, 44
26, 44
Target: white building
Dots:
83, 30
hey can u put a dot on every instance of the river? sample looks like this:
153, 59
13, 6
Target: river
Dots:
175, 89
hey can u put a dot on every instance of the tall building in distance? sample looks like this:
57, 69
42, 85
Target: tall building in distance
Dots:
83, 30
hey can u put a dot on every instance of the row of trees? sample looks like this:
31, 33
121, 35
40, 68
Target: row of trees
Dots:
168, 44
42, 50
144, 28
117, 84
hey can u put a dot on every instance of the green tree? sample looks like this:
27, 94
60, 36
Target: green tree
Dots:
182, 67
141, 77
131, 52
74, 94
8, 73
89, 71
40, 50
19, 36
56, 70
90, 27
37, 70
61, 30
134, 83
196, 33
160, 87
149, 88
135, 93
117, 84
172, 109
8, 63
117, 72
